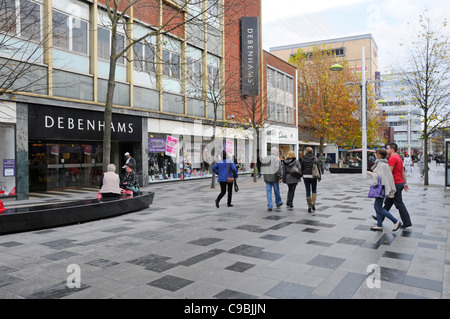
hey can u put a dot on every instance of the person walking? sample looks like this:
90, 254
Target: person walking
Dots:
110, 183
308, 163
396, 166
421, 159
407, 162
291, 176
328, 163
273, 173
381, 169
321, 158
128, 160
225, 169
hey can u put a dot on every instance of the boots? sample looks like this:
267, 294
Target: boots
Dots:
308, 200
313, 201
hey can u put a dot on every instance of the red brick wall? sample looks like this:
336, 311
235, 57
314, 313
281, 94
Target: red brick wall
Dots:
235, 9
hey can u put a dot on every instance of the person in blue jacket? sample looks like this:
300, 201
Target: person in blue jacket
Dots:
225, 168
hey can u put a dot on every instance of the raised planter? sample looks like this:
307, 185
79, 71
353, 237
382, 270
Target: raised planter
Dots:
25, 219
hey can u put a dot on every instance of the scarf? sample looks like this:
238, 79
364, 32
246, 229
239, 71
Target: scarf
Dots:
382, 160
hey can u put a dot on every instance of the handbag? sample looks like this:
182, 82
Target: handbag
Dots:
377, 190
230, 180
295, 172
236, 187
315, 171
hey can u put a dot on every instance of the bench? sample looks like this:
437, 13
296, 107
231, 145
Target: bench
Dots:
31, 218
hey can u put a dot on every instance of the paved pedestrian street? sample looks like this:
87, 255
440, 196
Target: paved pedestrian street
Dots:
184, 247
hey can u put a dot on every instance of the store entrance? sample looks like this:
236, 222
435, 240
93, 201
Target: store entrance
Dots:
62, 165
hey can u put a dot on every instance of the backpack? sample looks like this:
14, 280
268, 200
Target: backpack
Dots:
295, 172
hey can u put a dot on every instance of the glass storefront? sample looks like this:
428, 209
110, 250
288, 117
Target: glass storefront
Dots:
7, 160
60, 165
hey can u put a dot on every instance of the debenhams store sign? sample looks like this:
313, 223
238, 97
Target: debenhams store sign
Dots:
57, 123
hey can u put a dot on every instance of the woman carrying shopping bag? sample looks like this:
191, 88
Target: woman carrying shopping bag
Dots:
382, 172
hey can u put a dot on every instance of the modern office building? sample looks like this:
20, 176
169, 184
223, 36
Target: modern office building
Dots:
401, 114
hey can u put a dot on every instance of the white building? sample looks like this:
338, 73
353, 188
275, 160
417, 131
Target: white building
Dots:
401, 113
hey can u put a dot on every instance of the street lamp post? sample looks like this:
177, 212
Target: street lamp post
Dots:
363, 85
364, 115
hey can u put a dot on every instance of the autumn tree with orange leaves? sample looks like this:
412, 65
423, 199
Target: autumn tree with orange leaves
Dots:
326, 104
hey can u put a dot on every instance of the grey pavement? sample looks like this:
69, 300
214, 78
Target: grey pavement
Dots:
182, 246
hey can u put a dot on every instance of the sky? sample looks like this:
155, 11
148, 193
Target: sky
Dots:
390, 22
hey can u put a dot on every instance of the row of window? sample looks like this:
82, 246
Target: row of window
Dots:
280, 80
71, 34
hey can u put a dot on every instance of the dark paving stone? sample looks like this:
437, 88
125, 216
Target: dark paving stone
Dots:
60, 255
386, 239
424, 283
310, 230
319, 243
60, 243
273, 237
279, 226
252, 228
205, 241
232, 294
240, 266
5, 270
6, 280
348, 286
149, 260
117, 229
428, 245
317, 223
395, 255
274, 217
288, 290
10, 244
255, 252
170, 283
201, 257
404, 295
392, 275
351, 241
326, 261
102, 263
56, 291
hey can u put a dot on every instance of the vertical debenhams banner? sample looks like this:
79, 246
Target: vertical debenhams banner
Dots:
250, 56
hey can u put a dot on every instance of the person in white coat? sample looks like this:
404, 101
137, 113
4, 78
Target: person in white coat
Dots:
381, 169
407, 162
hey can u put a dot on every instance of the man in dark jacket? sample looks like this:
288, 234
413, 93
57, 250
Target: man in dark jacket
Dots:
272, 171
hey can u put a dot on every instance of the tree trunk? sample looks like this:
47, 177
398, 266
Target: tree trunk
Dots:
425, 153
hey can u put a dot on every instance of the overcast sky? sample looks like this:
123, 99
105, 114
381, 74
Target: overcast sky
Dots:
390, 22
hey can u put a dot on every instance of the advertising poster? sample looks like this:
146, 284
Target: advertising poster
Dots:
171, 146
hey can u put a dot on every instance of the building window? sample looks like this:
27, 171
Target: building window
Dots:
69, 33
144, 57
21, 18
213, 78
171, 64
194, 72
104, 44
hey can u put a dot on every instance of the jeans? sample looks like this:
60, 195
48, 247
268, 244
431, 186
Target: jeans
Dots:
310, 184
381, 212
398, 202
223, 190
276, 189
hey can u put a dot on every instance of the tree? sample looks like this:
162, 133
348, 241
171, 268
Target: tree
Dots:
326, 102
23, 46
425, 75
174, 18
